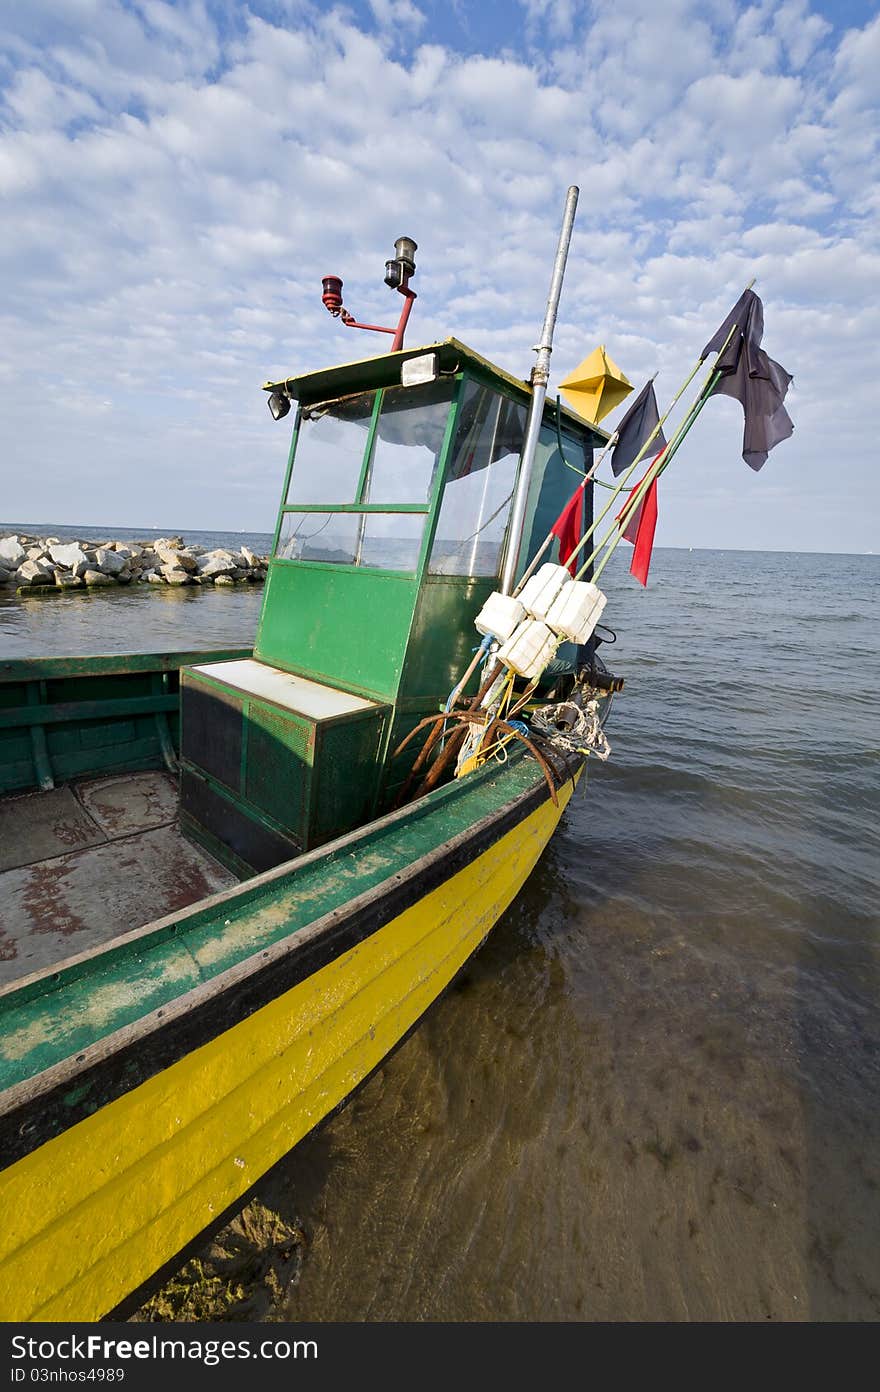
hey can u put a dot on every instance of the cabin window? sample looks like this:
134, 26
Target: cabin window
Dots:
381, 540
408, 443
480, 479
551, 486
363, 477
330, 452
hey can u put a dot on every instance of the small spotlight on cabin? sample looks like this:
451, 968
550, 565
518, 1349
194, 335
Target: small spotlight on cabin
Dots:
417, 370
279, 405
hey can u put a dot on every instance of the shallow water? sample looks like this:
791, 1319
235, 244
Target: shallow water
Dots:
653, 1094
130, 618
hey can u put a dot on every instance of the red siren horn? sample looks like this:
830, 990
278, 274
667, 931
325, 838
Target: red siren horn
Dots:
332, 295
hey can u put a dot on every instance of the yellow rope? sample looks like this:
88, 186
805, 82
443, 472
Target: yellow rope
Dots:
479, 755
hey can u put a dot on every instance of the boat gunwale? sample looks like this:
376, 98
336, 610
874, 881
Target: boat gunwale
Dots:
27, 669
248, 889
39, 1108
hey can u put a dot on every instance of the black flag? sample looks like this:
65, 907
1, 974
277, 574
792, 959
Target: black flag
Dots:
757, 382
635, 429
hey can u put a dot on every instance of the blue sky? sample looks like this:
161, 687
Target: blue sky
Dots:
177, 177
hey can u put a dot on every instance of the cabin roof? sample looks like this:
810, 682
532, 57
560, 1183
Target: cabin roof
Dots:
384, 371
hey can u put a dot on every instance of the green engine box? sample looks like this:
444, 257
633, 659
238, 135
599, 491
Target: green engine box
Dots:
272, 763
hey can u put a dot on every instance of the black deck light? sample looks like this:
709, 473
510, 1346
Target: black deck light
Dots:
279, 405
399, 270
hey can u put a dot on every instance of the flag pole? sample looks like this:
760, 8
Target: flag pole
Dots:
625, 477
655, 470
588, 477
540, 378
492, 665
639, 457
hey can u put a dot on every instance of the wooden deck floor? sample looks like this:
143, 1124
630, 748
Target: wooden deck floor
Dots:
83, 863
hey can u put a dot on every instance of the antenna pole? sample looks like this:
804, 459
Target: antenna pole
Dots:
540, 378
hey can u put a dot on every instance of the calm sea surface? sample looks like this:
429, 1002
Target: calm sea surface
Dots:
653, 1095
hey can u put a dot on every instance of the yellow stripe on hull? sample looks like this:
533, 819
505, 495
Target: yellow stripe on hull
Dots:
92, 1214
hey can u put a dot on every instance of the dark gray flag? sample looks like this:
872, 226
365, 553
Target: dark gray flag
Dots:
635, 429
757, 382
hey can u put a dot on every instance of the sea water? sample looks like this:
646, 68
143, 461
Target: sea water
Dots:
653, 1094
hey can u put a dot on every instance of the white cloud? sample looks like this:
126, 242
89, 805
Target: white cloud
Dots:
396, 14
38, 103
175, 188
800, 31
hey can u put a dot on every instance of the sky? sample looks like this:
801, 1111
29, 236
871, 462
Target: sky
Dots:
176, 178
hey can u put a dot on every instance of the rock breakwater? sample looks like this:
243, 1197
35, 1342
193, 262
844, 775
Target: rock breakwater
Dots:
49, 564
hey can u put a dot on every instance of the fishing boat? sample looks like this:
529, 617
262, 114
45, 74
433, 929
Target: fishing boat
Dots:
232, 882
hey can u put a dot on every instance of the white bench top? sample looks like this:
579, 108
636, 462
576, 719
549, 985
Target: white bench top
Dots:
298, 694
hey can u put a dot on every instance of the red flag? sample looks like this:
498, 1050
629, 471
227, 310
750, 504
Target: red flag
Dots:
568, 528
640, 529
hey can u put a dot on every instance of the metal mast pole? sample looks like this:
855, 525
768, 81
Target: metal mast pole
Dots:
540, 378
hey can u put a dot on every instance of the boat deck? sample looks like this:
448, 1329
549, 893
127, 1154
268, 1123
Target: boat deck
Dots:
82, 863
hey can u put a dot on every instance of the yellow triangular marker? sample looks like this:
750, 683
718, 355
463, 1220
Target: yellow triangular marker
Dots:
595, 386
